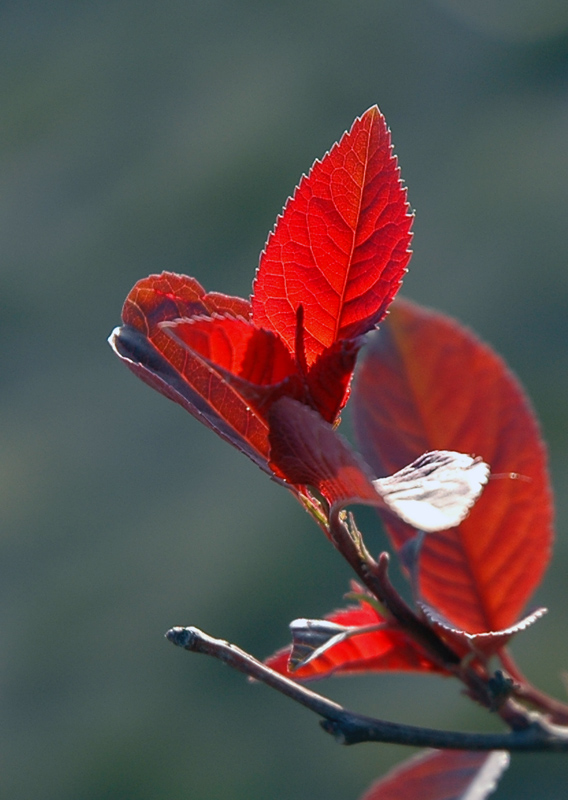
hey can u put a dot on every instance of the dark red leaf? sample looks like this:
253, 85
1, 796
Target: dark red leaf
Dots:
340, 248
427, 383
442, 775
306, 450
181, 375
329, 378
378, 651
433, 492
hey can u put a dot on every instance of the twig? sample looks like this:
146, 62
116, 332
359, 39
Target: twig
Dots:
524, 690
350, 728
375, 577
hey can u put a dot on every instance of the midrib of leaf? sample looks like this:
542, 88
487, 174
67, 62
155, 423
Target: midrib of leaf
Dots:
354, 238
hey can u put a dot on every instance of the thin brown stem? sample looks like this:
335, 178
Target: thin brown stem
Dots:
375, 577
350, 728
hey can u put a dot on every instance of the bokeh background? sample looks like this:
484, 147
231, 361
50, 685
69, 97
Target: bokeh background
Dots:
141, 136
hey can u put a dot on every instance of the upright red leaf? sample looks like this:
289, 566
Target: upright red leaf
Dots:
426, 383
340, 248
442, 775
383, 650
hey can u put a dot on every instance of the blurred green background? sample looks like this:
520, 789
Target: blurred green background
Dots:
141, 136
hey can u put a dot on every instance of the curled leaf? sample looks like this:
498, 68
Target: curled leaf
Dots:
436, 491
186, 378
311, 638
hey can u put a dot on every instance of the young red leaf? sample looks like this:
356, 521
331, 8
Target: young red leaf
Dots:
225, 364
185, 377
340, 248
388, 649
427, 383
442, 775
170, 296
236, 346
433, 492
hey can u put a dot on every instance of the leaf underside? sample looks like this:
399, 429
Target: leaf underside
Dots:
488, 643
427, 383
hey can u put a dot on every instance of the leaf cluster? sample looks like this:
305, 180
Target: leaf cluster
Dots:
449, 453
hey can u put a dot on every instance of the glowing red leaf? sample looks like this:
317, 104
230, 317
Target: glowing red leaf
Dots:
382, 650
340, 248
442, 775
236, 346
428, 383
181, 375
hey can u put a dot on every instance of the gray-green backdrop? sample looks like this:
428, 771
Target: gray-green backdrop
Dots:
141, 136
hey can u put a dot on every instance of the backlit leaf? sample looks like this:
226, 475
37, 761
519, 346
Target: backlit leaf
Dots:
388, 649
340, 248
183, 376
442, 775
251, 353
427, 383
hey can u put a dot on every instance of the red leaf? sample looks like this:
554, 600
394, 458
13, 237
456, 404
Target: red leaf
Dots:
169, 296
179, 374
442, 775
384, 650
340, 248
329, 378
428, 383
306, 450
237, 346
